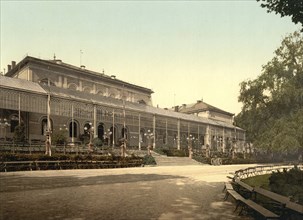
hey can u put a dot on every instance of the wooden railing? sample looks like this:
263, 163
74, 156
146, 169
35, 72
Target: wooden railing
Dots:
261, 170
246, 196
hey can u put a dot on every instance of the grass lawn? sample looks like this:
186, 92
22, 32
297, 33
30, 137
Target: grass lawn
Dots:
261, 181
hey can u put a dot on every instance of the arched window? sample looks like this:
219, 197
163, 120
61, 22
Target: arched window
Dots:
47, 81
86, 89
101, 131
72, 86
73, 129
99, 92
142, 102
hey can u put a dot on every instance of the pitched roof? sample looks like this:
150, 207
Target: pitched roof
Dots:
201, 106
60, 64
20, 84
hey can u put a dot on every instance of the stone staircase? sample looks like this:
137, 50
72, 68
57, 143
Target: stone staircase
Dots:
163, 160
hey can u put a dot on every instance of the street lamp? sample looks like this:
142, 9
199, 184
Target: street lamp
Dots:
63, 127
190, 139
90, 130
4, 124
149, 135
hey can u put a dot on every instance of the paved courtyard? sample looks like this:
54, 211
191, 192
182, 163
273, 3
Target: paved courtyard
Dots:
171, 192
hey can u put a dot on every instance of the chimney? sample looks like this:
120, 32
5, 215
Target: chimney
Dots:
9, 67
82, 67
13, 64
199, 101
113, 76
184, 105
176, 108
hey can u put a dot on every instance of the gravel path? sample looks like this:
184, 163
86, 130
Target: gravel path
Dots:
187, 192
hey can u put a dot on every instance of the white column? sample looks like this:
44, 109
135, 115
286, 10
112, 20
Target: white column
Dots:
113, 128
139, 132
178, 138
154, 131
207, 136
166, 133
95, 122
223, 140
199, 136
49, 142
19, 109
73, 138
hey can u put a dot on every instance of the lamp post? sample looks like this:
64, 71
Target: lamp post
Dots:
64, 131
90, 130
149, 135
190, 139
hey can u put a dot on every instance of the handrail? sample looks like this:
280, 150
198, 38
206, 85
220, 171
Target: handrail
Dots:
260, 170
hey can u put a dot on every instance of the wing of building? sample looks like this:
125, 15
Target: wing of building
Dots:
74, 98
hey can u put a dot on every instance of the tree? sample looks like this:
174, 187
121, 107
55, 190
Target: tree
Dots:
293, 8
272, 111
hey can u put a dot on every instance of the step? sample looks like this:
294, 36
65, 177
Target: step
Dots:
163, 160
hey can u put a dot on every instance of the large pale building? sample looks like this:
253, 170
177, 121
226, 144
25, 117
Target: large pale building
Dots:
76, 98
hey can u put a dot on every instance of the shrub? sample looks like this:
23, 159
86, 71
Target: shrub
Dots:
97, 142
202, 159
19, 133
59, 137
149, 160
288, 183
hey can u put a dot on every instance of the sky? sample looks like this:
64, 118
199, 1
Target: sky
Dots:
183, 50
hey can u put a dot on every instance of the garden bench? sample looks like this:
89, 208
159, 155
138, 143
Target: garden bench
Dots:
265, 213
227, 186
271, 195
247, 204
283, 200
295, 207
244, 188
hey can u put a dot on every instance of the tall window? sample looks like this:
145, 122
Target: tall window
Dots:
113, 135
101, 131
73, 129
141, 138
124, 132
14, 122
164, 138
44, 127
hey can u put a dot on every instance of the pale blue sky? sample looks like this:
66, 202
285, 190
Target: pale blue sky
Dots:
193, 49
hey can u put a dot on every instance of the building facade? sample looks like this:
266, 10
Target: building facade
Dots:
50, 95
